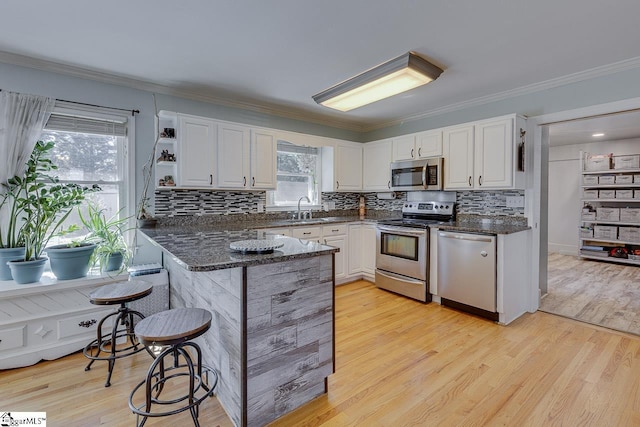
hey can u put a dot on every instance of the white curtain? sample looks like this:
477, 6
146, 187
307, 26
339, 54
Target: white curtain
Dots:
22, 118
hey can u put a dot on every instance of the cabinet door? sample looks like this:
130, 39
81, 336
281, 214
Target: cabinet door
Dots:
494, 154
376, 172
348, 167
233, 156
458, 157
264, 147
340, 257
197, 148
355, 249
404, 148
429, 144
369, 249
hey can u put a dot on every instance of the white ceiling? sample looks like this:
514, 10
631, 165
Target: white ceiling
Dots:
274, 55
614, 127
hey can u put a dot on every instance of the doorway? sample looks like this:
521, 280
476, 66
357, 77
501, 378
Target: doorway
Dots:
597, 292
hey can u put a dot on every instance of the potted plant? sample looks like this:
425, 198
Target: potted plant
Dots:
11, 237
45, 204
112, 252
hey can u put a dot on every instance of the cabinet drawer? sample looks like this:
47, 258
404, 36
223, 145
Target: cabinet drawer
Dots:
12, 337
334, 230
82, 323
306, 232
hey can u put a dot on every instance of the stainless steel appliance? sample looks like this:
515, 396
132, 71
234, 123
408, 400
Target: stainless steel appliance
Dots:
402, 245
467, 272
414, 175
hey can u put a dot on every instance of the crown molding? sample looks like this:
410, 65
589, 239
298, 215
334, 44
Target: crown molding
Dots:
591, 73
305, 116
85, 73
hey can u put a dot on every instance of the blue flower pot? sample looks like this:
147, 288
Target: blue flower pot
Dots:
24, 272
114, 262
70, 262
9, 254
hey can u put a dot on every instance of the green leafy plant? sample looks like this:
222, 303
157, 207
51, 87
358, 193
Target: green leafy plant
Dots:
11, 236
43, 202
107, 234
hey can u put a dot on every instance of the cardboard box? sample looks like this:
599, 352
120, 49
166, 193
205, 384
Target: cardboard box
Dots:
629, 234
589, 179
624, 194
630, 215
588, 216
607, 232
586, 233
606, 180
598, 162
607, 194
608, 214
624, 179
590, 194
627, 162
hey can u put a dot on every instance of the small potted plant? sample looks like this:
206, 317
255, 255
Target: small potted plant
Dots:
11, 237
45, 205
112, 252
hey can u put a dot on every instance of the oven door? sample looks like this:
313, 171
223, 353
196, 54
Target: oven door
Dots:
402, 250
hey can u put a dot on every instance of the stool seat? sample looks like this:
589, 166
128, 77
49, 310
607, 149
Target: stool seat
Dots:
173, 326
120, 293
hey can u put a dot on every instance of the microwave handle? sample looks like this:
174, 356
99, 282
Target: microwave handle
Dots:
424, 176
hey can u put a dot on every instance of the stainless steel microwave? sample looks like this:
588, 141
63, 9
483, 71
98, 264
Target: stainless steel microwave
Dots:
413, 175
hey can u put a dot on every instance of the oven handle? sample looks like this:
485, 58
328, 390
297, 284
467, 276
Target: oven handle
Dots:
466, 237
402, 230
394, 276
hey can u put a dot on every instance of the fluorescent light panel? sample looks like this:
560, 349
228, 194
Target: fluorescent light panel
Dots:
391, 78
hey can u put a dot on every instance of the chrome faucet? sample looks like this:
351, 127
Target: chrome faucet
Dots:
299, 200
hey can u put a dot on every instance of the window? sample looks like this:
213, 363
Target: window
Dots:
91, 147
298, 175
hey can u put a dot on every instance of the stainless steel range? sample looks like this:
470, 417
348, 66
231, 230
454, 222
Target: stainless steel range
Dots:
402, 245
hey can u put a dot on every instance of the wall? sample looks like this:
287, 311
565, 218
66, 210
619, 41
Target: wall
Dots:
564, 189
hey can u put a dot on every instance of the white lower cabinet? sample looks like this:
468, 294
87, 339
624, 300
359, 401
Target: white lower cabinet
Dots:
362, 251
369, 250
48, 322
355, 249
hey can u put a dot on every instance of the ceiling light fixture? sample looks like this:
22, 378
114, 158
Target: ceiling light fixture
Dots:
598, 134
391, 78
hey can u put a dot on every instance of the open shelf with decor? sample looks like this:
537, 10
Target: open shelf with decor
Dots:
166, 164
610, 208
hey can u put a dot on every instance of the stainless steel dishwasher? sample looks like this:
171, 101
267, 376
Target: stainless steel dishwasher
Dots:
467, 272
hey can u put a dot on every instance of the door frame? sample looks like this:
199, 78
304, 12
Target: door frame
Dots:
536, 206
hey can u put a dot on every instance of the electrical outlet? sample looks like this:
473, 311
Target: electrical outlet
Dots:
260, 208
515, 201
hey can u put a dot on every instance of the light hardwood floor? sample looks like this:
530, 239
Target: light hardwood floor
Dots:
601, 293
399, 363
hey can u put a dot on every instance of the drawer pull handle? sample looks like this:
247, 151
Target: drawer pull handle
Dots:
412, 153
253, 181
308, 232
334, 231
87, 323
244, 181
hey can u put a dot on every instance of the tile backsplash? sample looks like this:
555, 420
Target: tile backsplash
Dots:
177, 202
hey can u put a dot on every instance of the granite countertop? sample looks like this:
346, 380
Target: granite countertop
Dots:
486, 228
208, 249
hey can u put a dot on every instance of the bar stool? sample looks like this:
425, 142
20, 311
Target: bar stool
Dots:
171, 331
117, 293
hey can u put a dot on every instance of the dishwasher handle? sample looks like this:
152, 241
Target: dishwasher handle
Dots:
471, 237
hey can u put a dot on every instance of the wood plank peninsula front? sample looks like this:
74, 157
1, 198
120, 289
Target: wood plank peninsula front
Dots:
272, 333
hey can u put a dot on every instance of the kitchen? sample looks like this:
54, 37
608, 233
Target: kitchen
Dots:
18, 76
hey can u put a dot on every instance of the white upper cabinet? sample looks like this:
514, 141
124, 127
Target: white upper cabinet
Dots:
493, 164
404, 148
429, 144
264, 147
458, 157
484, 154
376, 172
196, 140
233, 156
342, 167
417, 146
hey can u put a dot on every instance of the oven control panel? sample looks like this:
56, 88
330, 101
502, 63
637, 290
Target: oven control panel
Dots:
430, 208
